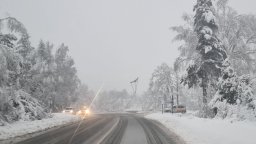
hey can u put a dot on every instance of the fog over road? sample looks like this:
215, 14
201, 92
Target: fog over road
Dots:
108, 129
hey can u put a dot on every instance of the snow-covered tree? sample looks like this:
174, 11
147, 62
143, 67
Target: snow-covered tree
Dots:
148, 101
6, 39
211, 51
162, 84
84, 96
187, 35
238, 35
233, 92
32, 80
65, 77
43, 73
16, 101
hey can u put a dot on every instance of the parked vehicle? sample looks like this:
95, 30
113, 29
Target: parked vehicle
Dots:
179, 109
176, 109
68, 110
167, 109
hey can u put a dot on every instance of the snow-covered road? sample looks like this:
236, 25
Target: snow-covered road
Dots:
107, 129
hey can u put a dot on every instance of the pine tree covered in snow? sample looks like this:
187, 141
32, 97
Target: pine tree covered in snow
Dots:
234, 97
42, 73
212, 54
65, 77
237, 34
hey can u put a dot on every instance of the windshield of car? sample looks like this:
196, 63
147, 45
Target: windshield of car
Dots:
121, 71
69, 109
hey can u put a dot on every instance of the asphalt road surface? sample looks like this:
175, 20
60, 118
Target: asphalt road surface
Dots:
108, 129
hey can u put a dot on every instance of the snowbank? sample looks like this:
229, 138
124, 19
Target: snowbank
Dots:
24, 127
208, 131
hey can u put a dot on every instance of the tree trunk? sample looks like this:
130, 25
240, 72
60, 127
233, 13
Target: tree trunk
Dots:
177, 88
204, 112
204, 95
172, 101
165, 100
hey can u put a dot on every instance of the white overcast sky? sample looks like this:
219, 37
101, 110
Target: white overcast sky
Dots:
111, 41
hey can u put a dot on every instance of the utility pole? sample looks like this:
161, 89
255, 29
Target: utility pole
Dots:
177, 89
162, 108
134, 84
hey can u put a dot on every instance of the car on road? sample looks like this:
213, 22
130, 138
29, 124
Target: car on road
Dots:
68, 110
176, 109
179, 109
167, 109
83, 111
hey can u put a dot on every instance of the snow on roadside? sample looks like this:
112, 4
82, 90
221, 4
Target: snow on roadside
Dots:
24, 127
196, 130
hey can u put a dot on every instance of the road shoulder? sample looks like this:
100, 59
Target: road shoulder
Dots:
23, 130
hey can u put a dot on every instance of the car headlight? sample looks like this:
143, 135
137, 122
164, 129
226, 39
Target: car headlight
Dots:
63, 111
71, 111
